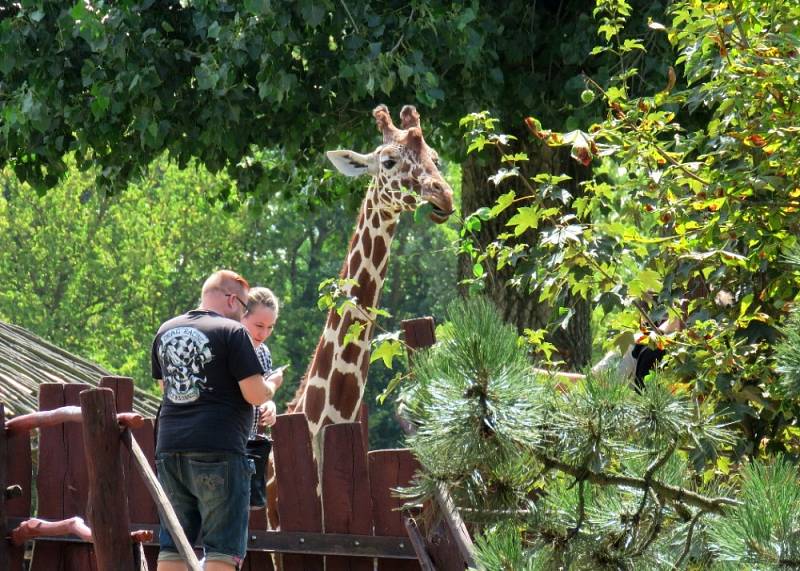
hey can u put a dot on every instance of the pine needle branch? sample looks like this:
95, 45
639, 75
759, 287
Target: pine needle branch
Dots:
675, 493
689, 535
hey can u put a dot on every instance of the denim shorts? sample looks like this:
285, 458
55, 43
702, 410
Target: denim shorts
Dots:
210, 492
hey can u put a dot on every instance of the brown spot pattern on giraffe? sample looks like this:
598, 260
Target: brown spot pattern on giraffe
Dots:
364, 364
366, 243
354, 263
351, 352
345, 393
315, 402
343, 327
323, 361
378, 250
333, 320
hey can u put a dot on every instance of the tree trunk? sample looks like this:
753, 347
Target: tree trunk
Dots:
519, 305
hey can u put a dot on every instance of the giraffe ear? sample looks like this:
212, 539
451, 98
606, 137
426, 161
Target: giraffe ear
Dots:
350, 163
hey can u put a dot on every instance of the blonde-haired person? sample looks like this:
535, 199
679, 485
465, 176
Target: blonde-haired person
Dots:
259, 320
205, 363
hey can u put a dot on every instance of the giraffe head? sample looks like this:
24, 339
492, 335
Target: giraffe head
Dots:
405, 169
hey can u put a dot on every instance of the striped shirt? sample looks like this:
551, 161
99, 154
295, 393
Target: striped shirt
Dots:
265, 358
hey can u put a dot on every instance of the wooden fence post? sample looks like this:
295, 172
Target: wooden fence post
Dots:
108, 502
141, 507
5, 556
389, 470
61, 481
419, 334
18, 472
346, 500
299, 507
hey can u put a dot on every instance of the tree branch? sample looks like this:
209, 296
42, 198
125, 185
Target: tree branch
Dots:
715, 505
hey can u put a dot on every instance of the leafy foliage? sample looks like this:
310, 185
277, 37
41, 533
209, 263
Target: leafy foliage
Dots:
596, 475
98, 273
691, 209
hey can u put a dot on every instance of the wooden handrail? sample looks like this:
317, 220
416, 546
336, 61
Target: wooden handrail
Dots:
45, 418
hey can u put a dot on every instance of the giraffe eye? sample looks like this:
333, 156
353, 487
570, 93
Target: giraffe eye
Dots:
389, 163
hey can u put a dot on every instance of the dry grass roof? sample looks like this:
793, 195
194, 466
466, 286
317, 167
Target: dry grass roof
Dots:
27, 361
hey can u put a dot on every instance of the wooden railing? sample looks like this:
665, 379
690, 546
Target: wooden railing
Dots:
96, 509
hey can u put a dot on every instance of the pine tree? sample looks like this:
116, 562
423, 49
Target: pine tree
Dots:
596, 475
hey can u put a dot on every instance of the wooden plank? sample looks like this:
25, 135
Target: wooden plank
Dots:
419, 333
257, 560
363, 418
108, 501
50, 480
299, 507
389, 470
367, 546
346, 500
18, 472
5, 546
157, 493
141, 507
442, 548
418, 542
76, 485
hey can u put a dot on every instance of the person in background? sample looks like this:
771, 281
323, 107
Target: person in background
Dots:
210, 376
259, 319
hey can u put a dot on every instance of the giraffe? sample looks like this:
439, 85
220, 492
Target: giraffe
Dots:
404, 174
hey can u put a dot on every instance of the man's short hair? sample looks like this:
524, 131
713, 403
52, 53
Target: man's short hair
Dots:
225, 281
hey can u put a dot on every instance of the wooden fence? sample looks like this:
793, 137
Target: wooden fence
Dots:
364, 528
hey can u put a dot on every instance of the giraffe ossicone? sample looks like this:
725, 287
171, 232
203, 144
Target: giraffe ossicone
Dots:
404, 174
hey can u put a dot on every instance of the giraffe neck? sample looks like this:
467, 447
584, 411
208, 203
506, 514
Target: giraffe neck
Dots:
336, 378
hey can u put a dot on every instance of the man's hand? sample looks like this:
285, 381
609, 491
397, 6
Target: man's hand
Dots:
276, 377
269, 414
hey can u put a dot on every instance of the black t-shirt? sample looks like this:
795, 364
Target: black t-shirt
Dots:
202, 356
646, 359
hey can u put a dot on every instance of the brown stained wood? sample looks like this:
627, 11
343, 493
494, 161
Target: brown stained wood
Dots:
142, 507
108, 502
51, 480
299, 508
363, 418
442, 548
389, 470
418, 542
76, 485
143, 466
18, 472
257, 560
35, 527
5, 548
44, 419
419, 333
123, 391
346, 500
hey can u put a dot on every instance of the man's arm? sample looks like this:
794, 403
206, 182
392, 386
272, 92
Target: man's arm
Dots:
256, 390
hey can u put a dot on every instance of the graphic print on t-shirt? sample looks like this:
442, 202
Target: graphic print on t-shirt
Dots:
184, 351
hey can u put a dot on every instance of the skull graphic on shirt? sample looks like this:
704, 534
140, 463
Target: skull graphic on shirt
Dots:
183, 353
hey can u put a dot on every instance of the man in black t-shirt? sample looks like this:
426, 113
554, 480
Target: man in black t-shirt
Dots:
211, 378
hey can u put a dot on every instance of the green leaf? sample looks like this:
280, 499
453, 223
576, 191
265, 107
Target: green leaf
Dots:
354, 332
387, 350
503, 202
526, 218
645, 281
